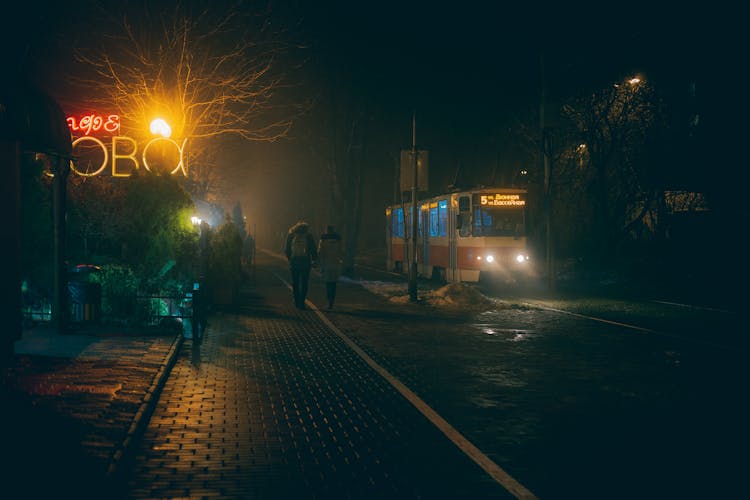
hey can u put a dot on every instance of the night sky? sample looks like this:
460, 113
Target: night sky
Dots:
470, 70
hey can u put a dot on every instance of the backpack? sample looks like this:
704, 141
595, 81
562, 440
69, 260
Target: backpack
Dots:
299, 245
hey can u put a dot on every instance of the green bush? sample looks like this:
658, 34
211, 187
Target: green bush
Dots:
119, 290
225, 257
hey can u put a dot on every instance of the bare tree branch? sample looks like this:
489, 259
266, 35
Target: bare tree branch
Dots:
209, 73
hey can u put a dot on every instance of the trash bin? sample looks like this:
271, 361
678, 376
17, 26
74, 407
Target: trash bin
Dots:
186, 315
85, 301
85, 295
193, 313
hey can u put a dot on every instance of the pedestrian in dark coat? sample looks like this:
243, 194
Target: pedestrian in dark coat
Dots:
302, 253
331, 256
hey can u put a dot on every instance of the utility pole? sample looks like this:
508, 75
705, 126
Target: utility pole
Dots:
546, 152
546, 144
414, 213
59, 200
255, 246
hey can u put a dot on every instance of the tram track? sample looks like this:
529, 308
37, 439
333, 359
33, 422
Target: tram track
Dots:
638, 328
539, 304
693, 306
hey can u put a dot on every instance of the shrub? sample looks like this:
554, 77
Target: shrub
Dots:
119, 290
225, 259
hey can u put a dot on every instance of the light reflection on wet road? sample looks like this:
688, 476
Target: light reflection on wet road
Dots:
578, 408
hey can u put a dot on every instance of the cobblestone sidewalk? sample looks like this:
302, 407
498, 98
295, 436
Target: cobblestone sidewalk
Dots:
73, 404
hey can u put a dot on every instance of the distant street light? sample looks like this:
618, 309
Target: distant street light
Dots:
581, 149
630, 81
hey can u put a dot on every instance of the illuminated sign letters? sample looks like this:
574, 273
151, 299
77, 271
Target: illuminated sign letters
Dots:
502, 200
94, 123
122, 154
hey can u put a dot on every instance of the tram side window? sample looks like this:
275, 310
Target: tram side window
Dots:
438, 218
433, 217
443, 218
408, 227
397, 221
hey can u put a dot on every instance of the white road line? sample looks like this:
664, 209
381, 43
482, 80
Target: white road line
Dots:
690, 306
482, 460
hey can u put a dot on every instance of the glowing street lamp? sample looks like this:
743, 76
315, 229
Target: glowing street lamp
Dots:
160, 127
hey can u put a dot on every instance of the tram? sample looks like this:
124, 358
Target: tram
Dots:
463, 236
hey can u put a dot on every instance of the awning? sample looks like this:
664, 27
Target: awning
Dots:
29, 115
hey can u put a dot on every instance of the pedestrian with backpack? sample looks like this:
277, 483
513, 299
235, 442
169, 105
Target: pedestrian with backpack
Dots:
331, 261
302, 253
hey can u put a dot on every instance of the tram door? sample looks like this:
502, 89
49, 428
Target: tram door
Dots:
424, 231
462, 228
450, 272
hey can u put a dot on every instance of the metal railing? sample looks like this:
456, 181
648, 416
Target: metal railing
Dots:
151, 310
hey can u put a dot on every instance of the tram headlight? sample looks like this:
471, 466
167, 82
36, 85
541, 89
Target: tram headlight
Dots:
521, 258
490, 259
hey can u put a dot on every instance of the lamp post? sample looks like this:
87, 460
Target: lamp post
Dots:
547, 172
547, 165
414, 213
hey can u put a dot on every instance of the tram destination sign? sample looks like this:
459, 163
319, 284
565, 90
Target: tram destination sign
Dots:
500, 200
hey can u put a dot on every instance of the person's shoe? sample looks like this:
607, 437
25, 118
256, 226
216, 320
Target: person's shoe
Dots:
330, 305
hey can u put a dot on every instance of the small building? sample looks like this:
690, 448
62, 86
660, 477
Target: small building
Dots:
30, 121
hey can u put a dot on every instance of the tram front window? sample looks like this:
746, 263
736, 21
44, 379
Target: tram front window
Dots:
498, 222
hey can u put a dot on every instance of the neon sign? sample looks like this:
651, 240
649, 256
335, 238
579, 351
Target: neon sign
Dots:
94, 123
122, 151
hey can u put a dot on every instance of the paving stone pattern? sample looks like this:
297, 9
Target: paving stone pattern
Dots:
273, 404
72, 415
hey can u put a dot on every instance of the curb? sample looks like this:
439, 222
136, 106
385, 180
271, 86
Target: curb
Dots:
144, 411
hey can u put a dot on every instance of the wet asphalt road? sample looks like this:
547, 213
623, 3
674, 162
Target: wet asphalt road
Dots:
580, 408
647, 404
